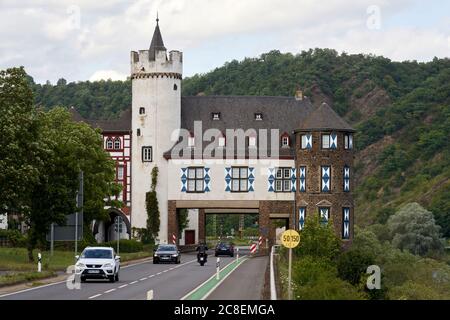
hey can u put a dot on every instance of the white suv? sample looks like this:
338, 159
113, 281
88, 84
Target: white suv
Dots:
98, 263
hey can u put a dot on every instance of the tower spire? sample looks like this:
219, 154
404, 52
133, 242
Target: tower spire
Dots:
157, 43
157, 18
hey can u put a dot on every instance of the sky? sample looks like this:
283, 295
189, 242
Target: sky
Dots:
81, 40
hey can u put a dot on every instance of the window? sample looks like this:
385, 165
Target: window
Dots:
146, 154
301, 217
306, 141
285, 141
283, 180
324, 215
120, 173
252, 141
109, 143
117, 143
346, 178
348, 141
195, 179
345, 223
175, 87
215, 115
302, 173
138, 132
325, 141
141, 110
258, 116
239, 179
325, 185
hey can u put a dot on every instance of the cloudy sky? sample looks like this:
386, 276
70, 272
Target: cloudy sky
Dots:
89, 40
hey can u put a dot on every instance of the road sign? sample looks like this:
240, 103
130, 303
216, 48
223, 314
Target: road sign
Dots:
253, 248
290, 238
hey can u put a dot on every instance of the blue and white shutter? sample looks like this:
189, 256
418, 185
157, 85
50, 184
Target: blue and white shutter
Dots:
251, 179
333, 141
308, 140
207, 180
324, 215
346, 178
228, 179
293, 179
302, 177
183, 179
345, 223
326, 179
301, 217
271, 179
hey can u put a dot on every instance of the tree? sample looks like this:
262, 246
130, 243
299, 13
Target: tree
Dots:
413, 228
318, 240
151, 201
352, 264
19, 163
183, 221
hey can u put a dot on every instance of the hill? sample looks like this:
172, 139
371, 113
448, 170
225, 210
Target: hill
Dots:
401, 111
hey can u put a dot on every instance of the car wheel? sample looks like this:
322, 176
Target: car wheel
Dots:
155, 262
232, 255
216, 255
116, 278
112, 279
179, 261
83, 279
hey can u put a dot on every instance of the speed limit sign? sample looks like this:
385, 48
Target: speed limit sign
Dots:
290, 238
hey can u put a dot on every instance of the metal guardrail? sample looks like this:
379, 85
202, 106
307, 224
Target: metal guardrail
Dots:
273, 288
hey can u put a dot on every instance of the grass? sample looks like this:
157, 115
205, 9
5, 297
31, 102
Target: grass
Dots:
16, 259
20, 277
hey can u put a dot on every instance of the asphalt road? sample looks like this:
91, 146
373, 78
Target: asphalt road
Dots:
245, 283
168, 282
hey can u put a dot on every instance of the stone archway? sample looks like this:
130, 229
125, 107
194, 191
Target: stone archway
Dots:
104, 230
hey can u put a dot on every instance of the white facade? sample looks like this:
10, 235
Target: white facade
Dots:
156, 87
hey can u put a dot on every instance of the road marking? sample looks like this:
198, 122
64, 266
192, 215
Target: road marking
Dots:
110, 290
151, 276
165, 270
125, 285
97, 295
133, 282
142, 279
158, 273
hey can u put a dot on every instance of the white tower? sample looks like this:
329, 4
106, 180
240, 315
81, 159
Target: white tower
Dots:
156, 113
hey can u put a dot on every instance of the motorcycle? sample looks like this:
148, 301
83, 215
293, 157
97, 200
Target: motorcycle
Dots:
201, 258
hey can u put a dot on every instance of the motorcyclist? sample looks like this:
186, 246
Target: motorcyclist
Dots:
202, 248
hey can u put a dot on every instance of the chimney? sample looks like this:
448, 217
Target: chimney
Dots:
298, 95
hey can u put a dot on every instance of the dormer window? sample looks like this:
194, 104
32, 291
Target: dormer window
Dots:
285, 140
141, 110
258, 116
215, 115
109, 143
117, 143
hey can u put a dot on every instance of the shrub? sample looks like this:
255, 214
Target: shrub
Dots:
125, 245
351, 265
14, 237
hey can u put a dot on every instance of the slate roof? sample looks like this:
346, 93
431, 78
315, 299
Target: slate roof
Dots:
157, 43
122, 124
324, 118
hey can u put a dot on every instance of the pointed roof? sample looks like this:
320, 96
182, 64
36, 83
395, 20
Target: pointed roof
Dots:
157, 43
324, 118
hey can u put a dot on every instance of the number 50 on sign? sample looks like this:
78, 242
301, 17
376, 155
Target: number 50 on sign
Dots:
290, 238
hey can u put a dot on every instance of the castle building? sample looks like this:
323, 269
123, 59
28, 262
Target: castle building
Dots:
278, 157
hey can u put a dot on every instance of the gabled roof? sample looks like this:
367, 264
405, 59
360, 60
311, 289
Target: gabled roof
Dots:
122, 124
324, 118
157, 43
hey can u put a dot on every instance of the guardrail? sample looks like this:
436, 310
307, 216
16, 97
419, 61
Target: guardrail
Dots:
273, 288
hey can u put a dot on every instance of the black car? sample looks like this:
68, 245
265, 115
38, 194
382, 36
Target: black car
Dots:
224, 249
166, 253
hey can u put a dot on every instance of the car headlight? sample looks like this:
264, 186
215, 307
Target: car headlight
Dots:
80, 265
107, 265
155, 255
175, 255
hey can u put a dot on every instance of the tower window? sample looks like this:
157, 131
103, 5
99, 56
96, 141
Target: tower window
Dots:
325, 185
117, 143
306, 141
258, 116
138, 132
147, 154
141, 110
329, 141
109, 143
301, 217
283, 180
345, 223
215, 115
239, 179
302, 176
324, 215
175, 87
346, 178
348, 141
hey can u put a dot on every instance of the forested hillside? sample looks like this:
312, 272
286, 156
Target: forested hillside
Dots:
401, 111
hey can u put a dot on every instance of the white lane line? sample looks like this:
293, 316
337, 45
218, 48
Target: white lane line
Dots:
142, 279
151, 276
158, 273
165, 270
133, 282
110, 290
93, 297
125, 285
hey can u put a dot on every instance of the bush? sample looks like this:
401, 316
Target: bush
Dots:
351, 265
125, 245
14, 237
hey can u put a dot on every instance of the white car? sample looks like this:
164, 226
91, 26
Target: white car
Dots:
98, 263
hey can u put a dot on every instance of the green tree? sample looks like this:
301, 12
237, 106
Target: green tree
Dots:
413, 228
153, 220
183, 221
